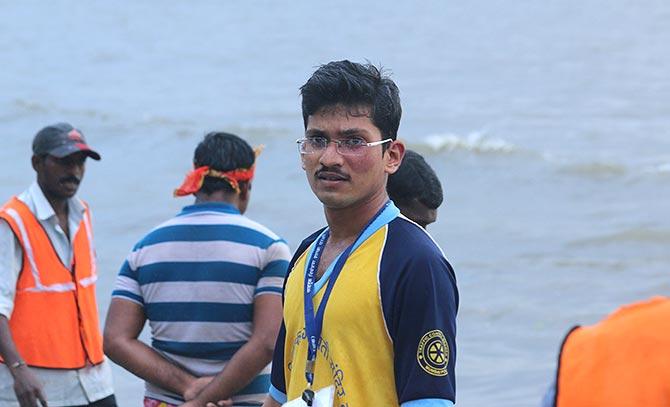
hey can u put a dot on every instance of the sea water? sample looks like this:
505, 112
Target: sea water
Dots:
547, 123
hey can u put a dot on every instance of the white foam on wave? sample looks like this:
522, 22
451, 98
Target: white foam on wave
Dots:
660, 171
663, 168
475, 142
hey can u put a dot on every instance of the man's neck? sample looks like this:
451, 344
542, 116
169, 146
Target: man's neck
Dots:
217, 197
61, 208
346, 224
59, 205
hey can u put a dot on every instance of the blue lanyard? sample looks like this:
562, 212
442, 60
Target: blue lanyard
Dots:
314, 323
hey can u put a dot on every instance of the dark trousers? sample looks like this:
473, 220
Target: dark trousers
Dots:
109, 401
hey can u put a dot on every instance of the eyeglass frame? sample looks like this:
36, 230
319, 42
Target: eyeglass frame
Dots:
338, 143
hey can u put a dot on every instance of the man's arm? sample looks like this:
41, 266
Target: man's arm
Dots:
270, 402
420, 307
27, 387
252, 357
277, 391
124, 323
550, 396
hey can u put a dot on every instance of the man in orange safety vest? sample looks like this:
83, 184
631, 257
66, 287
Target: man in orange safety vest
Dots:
50, 341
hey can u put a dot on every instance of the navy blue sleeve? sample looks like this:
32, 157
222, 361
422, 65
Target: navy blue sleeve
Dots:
420, 301
549, 398
277, 379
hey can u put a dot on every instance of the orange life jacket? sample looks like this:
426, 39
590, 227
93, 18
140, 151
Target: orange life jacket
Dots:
54, 323
624, 360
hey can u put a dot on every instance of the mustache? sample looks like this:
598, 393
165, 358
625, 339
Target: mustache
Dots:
331, 171
73, 179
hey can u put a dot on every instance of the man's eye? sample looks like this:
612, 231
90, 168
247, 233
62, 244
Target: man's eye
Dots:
317, 141
354, 142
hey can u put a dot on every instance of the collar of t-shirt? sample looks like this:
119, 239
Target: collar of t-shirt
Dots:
221, 207
390, 213
38, 204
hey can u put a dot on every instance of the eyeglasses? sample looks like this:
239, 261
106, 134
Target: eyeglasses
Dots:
350, 146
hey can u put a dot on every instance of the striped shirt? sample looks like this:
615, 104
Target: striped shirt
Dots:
196, 276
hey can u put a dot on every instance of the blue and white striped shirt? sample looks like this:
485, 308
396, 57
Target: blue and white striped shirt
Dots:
196, 276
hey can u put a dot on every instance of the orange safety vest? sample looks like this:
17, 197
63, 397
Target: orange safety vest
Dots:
55, 319
624, 360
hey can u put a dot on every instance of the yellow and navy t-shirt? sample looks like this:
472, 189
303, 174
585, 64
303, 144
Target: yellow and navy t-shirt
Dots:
389, 327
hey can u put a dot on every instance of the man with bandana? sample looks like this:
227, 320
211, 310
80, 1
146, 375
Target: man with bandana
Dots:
50, 340
209, 282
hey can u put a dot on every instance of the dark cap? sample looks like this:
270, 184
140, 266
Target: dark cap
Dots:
60, 140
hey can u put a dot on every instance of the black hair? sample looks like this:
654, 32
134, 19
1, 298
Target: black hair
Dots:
415, 179
222, 152
354, 85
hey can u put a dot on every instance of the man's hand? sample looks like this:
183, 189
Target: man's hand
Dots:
28, 388
220, 403
125, 320
196, 386
191, 394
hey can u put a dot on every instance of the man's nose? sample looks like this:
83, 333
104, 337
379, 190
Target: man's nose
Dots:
76, 169
330, 155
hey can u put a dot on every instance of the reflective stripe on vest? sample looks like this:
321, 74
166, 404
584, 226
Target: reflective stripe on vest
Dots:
39, 287
85, 282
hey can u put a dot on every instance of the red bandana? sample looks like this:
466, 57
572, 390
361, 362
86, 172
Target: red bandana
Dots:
196, 177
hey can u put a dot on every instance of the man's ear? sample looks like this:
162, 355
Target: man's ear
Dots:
393, 156
245, 190
36, 160
244, 196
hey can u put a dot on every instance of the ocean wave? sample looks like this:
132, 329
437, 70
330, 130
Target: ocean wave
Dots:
475, 142
596, 169
591, 264
609, 169
27, 106
152, 119
660, 169
261, 131
645, 235
663, 168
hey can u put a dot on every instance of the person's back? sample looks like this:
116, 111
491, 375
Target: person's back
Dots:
623, 360
209, 283
416, 189
198, 275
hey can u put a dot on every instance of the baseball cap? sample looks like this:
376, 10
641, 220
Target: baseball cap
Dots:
60, 140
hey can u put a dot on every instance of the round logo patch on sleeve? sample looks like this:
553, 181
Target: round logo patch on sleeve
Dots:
433, 353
